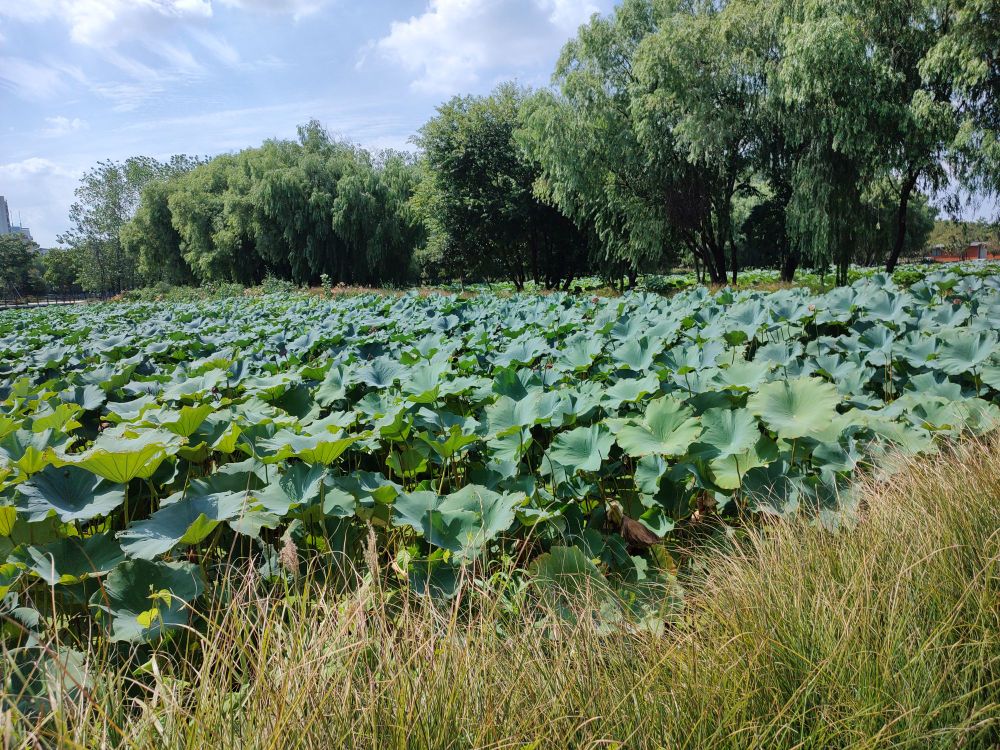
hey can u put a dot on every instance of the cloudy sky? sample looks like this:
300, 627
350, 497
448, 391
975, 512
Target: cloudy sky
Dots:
85, 80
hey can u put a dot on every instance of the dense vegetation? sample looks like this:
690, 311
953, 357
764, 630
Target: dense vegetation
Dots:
209, 508
712, 135
887, 637
147, 450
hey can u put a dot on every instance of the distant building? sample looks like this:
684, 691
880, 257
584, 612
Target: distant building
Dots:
5, 226
974, 251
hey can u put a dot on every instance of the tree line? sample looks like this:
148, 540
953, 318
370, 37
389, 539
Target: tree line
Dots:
715, 134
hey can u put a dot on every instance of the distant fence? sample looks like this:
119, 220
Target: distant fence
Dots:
44, 300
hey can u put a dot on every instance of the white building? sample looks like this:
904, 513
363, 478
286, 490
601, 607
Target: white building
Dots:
5, 226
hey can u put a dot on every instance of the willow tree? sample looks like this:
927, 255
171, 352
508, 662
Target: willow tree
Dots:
373, 216
966, 56
698, 107
863, 118
152, 239
582, 135
107, 198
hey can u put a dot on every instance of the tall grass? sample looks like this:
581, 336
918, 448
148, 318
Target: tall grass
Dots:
884, 636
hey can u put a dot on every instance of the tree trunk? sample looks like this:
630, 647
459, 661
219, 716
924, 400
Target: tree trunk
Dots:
715, 264
736, 261
904, 201
789, 267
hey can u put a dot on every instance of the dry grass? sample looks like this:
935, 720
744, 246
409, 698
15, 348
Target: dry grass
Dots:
885, 636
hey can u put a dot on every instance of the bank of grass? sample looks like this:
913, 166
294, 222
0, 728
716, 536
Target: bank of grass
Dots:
885, 636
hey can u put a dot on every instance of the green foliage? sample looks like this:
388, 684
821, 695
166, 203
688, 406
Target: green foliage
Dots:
289, 210
106, 200
870, 619
59, 270
582, 136
20, 266
240, 430
485, 221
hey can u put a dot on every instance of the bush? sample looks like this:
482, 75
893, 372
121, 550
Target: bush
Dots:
164, 292
274, 285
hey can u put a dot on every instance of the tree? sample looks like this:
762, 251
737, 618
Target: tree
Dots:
482, 192
292, 209
919, 222
106, 199
652, 136
19, 265
592, 165
151, 237
59, 270
966, 57
697, 108
373, 214
860, 119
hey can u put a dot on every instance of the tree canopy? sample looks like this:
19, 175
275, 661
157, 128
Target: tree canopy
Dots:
479, 195
711, 133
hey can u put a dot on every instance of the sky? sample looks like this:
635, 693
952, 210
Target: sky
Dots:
87, 80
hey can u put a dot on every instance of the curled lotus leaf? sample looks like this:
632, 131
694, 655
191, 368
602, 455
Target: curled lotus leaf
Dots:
141, 601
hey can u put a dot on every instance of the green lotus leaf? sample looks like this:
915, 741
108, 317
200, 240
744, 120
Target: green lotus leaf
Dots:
301, 484
380, 373
423, 383
8, 516
71, 493
629, 390
192, 388
961, 352
323, 447
127, 411
564, 576
183, 421
26, 450
122, 459
185, 521
61, 418
797, 408
462, 522
581, 449
141, 601
667, 429
728, 470
70, 560
367, 487
506, 416
407, 463
727, 432
88, 397
333, 388
450, 443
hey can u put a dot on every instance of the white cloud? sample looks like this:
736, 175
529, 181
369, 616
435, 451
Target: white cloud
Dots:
30, 80
220, 49
39, 192
20, 170
454, 43
297, 8
100, 23
60, 126
33, 11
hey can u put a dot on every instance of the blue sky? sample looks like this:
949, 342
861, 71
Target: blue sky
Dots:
85, 80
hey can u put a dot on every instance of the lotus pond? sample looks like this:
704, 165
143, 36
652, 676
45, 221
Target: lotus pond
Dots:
145, 449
